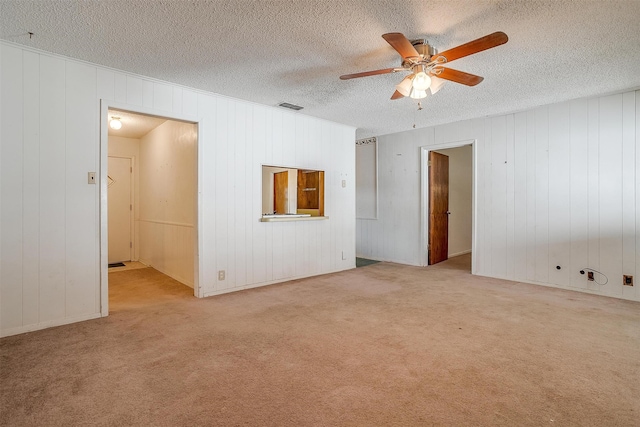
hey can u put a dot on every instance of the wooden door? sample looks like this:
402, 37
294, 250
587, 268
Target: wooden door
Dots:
280, 191
119, 209
438, 207
311, 191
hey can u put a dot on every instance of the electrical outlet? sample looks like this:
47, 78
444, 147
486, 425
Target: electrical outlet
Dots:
627, 280
221, 275
590, 276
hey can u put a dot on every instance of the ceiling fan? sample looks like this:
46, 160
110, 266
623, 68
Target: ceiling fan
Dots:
426, 65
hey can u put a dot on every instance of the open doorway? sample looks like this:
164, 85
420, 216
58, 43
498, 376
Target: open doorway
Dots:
150, 181
448, 202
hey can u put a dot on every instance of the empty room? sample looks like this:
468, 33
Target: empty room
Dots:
300, 213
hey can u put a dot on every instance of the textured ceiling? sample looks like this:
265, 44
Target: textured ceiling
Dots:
269, 51
134, 125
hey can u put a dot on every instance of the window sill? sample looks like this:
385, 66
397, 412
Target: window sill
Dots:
283, 218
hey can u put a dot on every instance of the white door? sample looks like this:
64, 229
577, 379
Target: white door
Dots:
120, 209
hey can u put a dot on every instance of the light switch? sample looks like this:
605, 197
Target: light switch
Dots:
92, 178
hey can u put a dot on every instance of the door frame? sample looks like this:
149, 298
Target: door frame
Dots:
132, 198
424, 197
105, 105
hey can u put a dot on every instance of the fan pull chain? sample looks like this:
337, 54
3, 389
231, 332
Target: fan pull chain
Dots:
414, 114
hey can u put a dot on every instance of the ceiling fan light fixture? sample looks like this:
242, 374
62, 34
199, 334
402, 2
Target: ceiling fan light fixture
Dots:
418, 94
424, 64
115, 123
436, 84
404, 87
421, 81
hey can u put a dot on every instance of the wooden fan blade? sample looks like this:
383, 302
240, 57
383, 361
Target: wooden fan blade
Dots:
367, 73
457, 76
397, 95
475, 46
400, 43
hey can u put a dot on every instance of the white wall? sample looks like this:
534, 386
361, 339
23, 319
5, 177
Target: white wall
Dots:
168, 190
130, 148
558, 185
50, 122
366, 182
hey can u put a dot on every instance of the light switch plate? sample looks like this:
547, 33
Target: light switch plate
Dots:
91, 177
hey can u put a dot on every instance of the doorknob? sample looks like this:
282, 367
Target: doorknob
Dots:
448, 213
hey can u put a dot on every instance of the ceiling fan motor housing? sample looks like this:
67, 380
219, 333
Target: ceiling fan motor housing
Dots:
425, 50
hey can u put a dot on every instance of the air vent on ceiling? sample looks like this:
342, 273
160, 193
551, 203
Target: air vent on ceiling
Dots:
290, 106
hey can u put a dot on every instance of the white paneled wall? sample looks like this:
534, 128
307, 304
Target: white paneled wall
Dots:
168, 191
50, 268
558, 185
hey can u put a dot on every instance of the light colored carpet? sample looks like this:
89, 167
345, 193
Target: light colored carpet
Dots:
381, 345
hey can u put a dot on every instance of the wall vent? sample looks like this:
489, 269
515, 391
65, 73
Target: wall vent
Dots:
290, 106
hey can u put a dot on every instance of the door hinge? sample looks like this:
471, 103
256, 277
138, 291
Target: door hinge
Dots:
429, 163
130, 245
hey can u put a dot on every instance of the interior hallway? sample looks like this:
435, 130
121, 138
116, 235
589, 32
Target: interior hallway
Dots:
385, 344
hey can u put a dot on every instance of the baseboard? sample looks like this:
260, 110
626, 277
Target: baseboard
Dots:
273, 282
459, 253
563, 288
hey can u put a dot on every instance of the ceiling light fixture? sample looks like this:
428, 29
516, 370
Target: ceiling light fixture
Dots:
418, 94
115, 123
436, 84
415, 85
421, 81
404, 87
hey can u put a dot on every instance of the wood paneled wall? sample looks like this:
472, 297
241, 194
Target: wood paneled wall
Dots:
558, 185
50, 217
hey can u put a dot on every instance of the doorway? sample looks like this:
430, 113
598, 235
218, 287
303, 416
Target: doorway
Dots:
149, 196
448, 201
